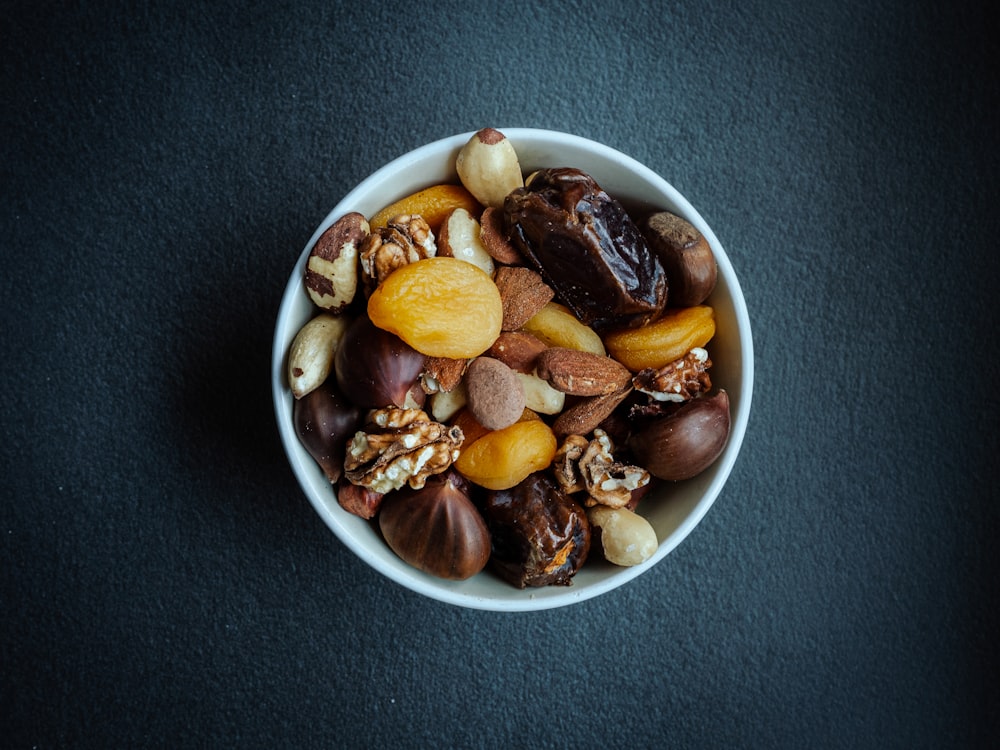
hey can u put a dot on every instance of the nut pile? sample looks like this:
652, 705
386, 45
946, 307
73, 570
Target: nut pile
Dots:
499, 370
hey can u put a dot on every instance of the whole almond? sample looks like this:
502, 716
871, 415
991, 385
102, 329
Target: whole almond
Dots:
494, 237
523, 293
587, 414
581, 373
517, 349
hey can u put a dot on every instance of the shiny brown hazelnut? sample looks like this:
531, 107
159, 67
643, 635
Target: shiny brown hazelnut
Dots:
687, 441
375, 368
685, 255
324, 421
436, 529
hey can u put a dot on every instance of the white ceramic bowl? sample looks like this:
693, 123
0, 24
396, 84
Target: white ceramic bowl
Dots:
673, 510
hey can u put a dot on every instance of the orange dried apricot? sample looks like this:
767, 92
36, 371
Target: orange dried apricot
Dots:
556, 325
433, 204
442, 307
664, 340
503, 458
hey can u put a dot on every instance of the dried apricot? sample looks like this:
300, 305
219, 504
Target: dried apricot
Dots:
442, 307
433, 204
503, 458
556, 325
663, 341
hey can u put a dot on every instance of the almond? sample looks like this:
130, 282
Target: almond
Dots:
581, 373
495, 240
517, 349
523, 293
588, 413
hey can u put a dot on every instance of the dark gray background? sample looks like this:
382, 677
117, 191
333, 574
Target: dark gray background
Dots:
163, 581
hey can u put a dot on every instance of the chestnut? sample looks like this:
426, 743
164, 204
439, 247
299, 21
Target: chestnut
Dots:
436, 529
375, 368
685, 255
324, 421
687, 441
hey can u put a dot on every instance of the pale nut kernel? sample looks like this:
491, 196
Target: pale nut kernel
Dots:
494, 393
626, 537
331, 277
460, 238
539, 396
310, 358
488, 167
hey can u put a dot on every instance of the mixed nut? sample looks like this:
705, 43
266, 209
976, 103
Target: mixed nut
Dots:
499, 370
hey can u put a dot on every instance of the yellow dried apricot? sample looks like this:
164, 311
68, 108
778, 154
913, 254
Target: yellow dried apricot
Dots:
556, 325
664, 340
503, 458
433, 204
442, 307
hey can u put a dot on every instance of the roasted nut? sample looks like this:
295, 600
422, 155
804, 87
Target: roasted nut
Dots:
332, 269
686, 442
539, 396
375, 368
442, 374
581, 373
679, 381
487, 166
446, 404
523, 293
357, 500
436, 529
517, 349
324, 421
587, 248
541, 536
686, 257
493, 393
398, 447
494, 237
406, 239
460, 238
586, 414
590, 465
310, 357
625, 537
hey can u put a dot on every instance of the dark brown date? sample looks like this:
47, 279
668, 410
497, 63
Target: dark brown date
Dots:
540, 535
587, 248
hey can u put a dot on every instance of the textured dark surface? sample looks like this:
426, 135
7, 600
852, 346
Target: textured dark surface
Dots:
163, 581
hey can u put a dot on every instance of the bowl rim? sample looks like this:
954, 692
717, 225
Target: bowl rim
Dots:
526, 599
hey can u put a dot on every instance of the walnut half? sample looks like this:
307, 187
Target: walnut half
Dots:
400, 446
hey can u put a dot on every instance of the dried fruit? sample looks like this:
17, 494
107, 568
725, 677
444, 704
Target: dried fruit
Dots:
541, 536
433, 204
669, 338
686, 442
442, 307
587, 248
436, 529
502, 458
555, 325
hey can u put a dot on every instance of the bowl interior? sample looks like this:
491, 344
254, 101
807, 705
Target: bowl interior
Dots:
673, 510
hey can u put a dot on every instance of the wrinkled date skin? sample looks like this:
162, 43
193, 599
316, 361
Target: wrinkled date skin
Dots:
587, 248
540, 535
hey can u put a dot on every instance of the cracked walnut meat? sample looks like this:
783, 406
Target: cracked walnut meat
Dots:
404, 240
589, 465
400, 446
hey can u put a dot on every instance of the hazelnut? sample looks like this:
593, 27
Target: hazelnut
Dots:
685, 256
